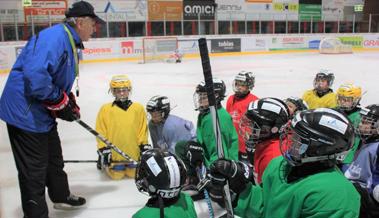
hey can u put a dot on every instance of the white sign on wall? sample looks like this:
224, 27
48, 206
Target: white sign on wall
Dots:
121, 10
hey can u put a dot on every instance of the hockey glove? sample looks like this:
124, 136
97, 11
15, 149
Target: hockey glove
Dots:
64, 107
144, 147
105, 158
237, 173
195, 153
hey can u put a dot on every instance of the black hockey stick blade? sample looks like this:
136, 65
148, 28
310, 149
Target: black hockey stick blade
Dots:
127, 163
207, 71
106, 141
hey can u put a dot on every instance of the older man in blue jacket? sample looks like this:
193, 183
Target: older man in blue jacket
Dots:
38, 91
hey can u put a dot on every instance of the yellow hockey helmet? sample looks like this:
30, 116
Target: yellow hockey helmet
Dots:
348, 96
120, 81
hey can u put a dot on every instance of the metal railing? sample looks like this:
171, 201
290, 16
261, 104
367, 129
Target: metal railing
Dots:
11, 29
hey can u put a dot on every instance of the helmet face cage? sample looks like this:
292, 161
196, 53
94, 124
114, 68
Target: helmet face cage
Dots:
316, 135
323, 81
251, 132
347, 103
200, 97
243, 83
293, 146
368, 127
160, 174
158, 108
295, 104
348, 96
200, 101
120, 87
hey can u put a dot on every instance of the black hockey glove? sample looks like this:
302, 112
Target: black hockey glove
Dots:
105, 157
64, 107
144, 147
195, 153
237, 173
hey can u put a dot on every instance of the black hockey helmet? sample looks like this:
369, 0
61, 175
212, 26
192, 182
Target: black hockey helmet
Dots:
159, 103
323, 75
200, 96
369, 126
263, 119
243, 78
299, 104
316, 135
160, 173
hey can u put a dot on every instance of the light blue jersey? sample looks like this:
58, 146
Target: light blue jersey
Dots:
365, 167
174, 129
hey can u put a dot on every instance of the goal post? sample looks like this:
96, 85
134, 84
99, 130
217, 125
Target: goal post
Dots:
156, 49
334, 46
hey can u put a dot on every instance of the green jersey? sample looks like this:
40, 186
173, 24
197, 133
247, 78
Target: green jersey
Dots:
205, 136
324, 194
183, 208
355, 119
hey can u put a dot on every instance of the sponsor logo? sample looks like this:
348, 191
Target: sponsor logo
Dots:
127, 47
355, 41
293, 40
97, 51
371, 43
314, 44
229, 7
192, 9
225, 45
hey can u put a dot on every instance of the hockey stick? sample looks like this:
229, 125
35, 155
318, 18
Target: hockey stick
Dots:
106, 141
207, 71
127, 163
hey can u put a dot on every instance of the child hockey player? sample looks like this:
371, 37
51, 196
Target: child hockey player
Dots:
205, 134
167, 129
348, 97
260, 128
161, 175
123, 123
321, 96
364, 170
237, 104
304, 181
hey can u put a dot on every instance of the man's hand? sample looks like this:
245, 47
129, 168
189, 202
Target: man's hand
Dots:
64, 107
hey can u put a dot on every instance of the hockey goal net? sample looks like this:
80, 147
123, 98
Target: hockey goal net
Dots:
334, 46
157, 49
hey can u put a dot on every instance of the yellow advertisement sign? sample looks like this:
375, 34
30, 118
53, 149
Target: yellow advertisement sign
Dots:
293, 7
26, 3
165, 10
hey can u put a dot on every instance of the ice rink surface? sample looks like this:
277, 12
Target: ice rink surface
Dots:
277, 75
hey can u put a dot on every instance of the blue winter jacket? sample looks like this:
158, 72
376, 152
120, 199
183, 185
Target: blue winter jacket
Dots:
44, 69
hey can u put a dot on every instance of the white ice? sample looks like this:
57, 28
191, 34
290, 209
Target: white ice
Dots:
279, 75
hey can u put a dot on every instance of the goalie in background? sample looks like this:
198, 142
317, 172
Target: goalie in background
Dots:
161, 176
175, 57
123, 123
